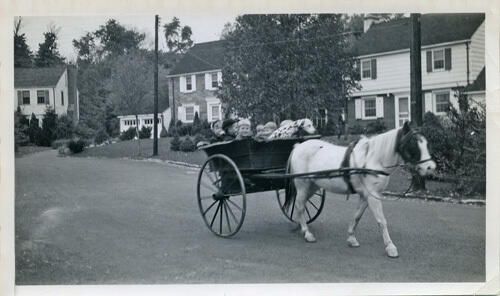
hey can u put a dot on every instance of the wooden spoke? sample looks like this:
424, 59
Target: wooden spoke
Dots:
208, 209
215, 215
227, 216
234, 204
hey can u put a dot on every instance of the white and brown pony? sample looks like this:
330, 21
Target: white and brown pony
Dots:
381, 152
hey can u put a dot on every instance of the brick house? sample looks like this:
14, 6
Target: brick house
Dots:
194, 81
453, 51
36, 89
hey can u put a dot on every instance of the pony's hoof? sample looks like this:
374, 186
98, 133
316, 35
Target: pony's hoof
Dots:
352, 242
309, 237
392, 251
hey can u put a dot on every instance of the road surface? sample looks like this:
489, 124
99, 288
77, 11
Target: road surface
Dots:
118, 221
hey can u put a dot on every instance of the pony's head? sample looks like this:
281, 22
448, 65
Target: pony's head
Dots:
307, 126
412, 146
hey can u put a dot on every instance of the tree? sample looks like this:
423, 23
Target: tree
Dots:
23, 57
178, 37
131, 85
286, 66
48, 54
49, 128
34, 129
116, 40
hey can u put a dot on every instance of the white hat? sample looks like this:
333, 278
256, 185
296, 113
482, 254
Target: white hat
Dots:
244, 122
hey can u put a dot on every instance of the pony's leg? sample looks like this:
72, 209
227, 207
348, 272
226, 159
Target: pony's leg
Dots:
303, 194
377, 210
362, 205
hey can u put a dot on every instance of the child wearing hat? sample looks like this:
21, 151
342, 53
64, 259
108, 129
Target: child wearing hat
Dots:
244, 129
230, 127
217, 131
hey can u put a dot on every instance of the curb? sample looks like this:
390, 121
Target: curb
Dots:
469, 201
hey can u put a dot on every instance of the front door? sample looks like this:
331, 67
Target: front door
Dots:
403, 110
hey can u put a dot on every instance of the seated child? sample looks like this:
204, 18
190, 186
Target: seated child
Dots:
266, 131
218, 132
230, 127
244, 129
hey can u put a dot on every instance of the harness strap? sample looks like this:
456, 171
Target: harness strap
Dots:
346, 164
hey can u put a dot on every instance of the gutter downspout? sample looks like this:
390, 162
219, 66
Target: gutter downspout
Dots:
468, 70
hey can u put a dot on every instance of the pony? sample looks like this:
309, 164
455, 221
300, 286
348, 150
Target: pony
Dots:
292, 128
383, 152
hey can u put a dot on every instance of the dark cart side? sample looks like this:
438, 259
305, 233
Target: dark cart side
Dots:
234, 169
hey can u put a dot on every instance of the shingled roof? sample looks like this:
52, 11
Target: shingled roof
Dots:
37, 77
201, 57
479, 84
435, 28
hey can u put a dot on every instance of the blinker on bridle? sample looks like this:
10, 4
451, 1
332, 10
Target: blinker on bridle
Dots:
405, 139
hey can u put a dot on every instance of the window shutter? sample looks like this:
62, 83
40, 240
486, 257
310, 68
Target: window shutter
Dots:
47, 98
182, 84
358, 109
193, 81
219, 77
197, 110
358, 70
208, 81
374, 69
181, 114
447, 58
429, 61
454, 100
379, 104
428, 102
19, 98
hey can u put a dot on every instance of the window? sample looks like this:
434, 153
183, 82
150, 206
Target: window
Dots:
215, 83
442, 102
370, 108
23, 97
366, 69
438, 59
189, 113
42, 97
320, 118
189, 84
148, 121
62, 98
215, 110
369, 69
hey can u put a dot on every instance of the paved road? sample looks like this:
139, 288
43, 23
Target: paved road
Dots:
112, 221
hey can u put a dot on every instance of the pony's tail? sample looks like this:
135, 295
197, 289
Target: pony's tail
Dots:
290, 190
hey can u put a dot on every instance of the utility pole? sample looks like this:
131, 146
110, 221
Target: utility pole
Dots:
155, 112
415, 70
416, 84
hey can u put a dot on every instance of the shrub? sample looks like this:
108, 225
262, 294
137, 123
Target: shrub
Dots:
34, 129
49, 125
145, 132
60, 143
128, 134
376, 127
198, 138
440, 141
175, 144
76, 146
185, 130
187, 145
163, 133
21, 126
83, 131
196, 126
356, 129
101, 136
64, 127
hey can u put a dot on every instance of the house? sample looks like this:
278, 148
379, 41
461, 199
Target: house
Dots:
39, 88
452, 55
194, 81
128, 121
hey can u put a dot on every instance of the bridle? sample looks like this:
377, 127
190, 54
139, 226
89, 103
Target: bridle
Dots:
403, 141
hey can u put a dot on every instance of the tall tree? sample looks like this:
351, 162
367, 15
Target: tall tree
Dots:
286, 65
131, 85
23, 57
48, 54
178, 37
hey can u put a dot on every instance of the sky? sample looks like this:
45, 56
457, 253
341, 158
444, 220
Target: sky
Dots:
204, 27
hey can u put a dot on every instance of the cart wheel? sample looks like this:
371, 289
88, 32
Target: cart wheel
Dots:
313, 206
221, 195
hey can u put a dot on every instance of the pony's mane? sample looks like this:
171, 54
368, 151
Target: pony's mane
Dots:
383, 146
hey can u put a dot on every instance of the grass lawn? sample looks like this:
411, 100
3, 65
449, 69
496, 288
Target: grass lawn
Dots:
400, 180
25, 150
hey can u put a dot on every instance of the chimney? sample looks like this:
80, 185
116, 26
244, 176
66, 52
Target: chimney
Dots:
369, 20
